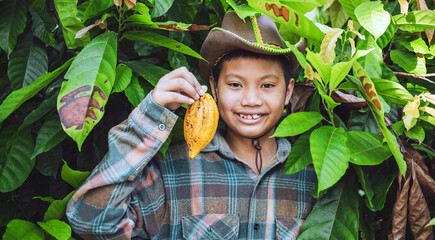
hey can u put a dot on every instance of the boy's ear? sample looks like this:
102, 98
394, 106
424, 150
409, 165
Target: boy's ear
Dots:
289, 91
213, 88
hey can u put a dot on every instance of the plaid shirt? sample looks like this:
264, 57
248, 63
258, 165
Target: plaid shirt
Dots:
137, 193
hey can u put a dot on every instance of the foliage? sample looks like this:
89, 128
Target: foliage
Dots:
71, 70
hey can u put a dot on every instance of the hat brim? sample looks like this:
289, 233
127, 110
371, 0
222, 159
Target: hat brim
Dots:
221, 42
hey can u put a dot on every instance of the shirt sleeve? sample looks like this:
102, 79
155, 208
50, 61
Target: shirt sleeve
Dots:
102, 207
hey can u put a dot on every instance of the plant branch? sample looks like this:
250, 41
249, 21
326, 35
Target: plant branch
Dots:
416, 75
423, 144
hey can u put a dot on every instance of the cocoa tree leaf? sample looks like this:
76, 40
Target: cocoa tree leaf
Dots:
392, 91
419, 215
338, 15
297, 123
381, 180
327, 48
50, 134
348, 99
73, 177
400, 211
373, 17
416, 21
134, 92
349, 7
330, 153
27, 62
385, 38
161, 7
43, 25
14, 100
57, 208
18, 164
123, 78
300, 155
178, 26
56, 228
71, 24
149, 72
367, 148
408, 61
95, 7
335, 215
21, 229
324, 69
13, 17
82, 98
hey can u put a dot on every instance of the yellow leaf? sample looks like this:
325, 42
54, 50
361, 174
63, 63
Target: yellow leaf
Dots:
83, 31
428, 97
352, 45
411, 112
403, 6
350, 25
327, 49
117, 2
309, 73
429, 110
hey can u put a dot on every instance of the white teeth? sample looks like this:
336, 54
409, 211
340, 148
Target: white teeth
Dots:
255, 116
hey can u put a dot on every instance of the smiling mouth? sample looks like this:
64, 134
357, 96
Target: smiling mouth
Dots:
249, 116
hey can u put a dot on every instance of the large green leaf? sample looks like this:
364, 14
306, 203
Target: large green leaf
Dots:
123, 78
150, 72
297, 123
392, 91
43, 24
82, 98
301, 6
21, 229
290, 18
330, 153
161, 7
161, 40
50, 134
73, 177
338, 73
300, 155
385, 38
373, 61
416, 21
408, 61
338, 15
71, 24
373, 17
56, 228
27, 62
416, 132
414, 44
335, 215
324, 69
57, 208
242, 10
370, 95
18, 97
349, 7
13, 17
18, 164
95, 7
134, 92
362, 121
367, 148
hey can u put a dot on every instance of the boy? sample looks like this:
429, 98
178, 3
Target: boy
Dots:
234, 188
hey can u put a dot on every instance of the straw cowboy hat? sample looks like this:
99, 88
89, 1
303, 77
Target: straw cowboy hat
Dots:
255, 34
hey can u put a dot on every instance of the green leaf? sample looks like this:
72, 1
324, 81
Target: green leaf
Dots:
338, 15
431, 223
294, 21
392, 91
428, 119
123, 78
300, 155
243, 11
373, 61
9, 211
338, 73
43, 24
134, 92
48, 163
335, 215
297, 123
330, 153
367, 148
18, 97
362, 121
166, 145
150, 72
27, 62
18, 164
50, 134
385, 38
381, 180
13, 17
161, 40
71, 24
302, 6
324, 69
416, 21
349, 7
414, 44
373, 17
73, 177
161, 7
408, 61
21, 229
365, 184
95, 7
416, 132
82, 99
399, 127
58, 229
49, 199
57, 208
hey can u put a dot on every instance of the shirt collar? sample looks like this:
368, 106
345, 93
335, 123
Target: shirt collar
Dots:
218, 143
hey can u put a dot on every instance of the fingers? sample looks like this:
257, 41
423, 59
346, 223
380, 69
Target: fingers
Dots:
189, 77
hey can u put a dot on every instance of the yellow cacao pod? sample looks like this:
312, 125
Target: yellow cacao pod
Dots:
200, 124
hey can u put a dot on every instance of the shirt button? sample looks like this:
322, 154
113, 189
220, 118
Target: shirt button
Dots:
256, 226
162, 126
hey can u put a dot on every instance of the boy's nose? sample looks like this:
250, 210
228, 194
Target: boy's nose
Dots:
251, 98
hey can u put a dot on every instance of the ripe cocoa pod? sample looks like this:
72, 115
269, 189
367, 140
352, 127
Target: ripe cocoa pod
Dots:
200, 124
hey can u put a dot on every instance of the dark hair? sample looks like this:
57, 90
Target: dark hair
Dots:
284, 62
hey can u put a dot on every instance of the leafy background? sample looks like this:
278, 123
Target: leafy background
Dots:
363, 109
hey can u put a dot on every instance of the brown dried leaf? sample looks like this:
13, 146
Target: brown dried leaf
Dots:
403, 6
83, 31
419, 215
299, 98
103, 25
130, 3
195, 27
400, 211
348, 99
117, 2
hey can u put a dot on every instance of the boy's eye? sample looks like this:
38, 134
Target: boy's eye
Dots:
268, 85
235, 85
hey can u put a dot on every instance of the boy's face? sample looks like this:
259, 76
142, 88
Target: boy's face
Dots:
251, 95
